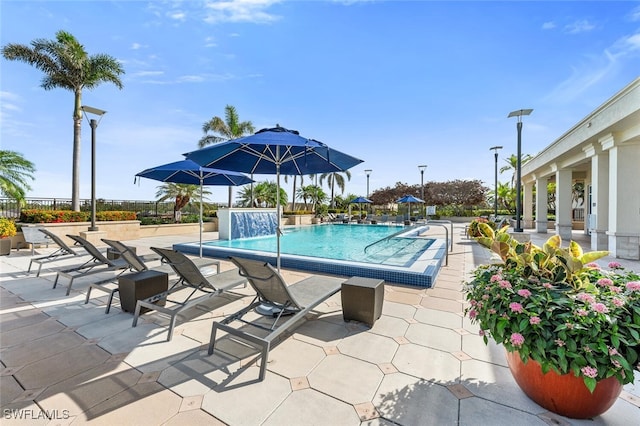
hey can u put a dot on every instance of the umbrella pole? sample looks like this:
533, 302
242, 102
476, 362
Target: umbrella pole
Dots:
200, 217
278, 207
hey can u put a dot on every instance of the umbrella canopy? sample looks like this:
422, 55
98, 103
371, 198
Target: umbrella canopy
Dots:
409, 199
189, 172
274, 151
361, 200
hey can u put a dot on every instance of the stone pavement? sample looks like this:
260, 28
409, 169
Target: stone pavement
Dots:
422, 363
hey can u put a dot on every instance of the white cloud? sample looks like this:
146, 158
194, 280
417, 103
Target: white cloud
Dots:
595, 68
146, 73
137, 46
579, 27
252, 11
548, 25
210, 42
177, 15
634, 15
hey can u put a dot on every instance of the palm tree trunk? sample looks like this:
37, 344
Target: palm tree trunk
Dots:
75, 164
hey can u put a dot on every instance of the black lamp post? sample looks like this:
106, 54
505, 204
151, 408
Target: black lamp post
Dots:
94, 125
422, 168
519, 113
368, 172
495, 191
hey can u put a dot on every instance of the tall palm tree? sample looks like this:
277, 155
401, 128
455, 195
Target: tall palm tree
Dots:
512, 164
334, 179
67, 65
223, 130
15, 170
182, 193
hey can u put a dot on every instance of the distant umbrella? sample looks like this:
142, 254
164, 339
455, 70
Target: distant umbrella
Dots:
191, 173
409, 199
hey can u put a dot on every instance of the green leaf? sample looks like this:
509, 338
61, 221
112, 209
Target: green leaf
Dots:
590, 383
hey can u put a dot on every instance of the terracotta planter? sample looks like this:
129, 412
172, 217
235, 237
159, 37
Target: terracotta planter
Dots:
564, 394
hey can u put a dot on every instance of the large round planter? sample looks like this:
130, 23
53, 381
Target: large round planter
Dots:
563, 394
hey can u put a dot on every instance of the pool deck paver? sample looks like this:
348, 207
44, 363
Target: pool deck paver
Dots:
422, 363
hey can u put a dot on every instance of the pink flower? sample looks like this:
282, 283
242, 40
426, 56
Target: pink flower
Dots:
485, 297
618, 302
472, 314
592, 265
504, 284
515, 307
614, 265
613, 351
633, 286
481, 333
492, 311
524, 292
517, 339
547, 285
615, 289
585, 297
590, 372
560, 342
534, 320
604, 282
582, 312
495, 278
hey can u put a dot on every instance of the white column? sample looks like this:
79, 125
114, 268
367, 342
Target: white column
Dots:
563, 204
541, 205
527, 205
624, 201
599, 219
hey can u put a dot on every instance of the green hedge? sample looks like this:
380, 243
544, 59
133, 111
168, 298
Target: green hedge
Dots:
63, 216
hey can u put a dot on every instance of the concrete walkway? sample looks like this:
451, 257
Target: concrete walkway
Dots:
422, 363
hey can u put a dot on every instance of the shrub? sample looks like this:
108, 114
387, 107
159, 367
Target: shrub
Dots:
7, 228
63, 216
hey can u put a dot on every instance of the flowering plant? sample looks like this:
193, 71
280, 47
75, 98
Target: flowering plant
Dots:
557, 307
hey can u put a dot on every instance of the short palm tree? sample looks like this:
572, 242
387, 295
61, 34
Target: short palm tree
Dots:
67, 65
15, 171
182, 193
512, 164
223, 130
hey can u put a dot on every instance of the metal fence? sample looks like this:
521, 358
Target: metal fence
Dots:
10, 208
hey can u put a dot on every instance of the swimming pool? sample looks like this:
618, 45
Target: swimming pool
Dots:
394, 253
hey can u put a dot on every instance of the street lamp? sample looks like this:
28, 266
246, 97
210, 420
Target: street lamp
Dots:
519, 113
422, 168
368, 172
495, 193
94, 125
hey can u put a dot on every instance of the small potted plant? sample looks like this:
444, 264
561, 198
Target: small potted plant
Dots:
561, 318
7, 230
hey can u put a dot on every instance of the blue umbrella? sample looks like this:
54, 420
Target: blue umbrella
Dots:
409, 199
189, 172
359, 200
274, 151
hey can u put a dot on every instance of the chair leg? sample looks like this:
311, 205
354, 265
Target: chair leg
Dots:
111, 294
69, 286
86, 299
172, 324
212, 341
136, 314
264, 359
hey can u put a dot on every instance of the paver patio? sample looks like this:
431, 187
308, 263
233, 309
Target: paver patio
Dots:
422, 363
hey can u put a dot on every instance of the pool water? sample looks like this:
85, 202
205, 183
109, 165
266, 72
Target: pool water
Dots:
340, 242
396, 254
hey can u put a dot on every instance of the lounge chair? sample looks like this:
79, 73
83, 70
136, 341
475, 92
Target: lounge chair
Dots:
63, 251
287, 303
138, 264
97, 264
32, 237
191, 281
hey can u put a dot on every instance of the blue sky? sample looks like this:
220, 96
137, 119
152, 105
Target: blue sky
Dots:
395, 83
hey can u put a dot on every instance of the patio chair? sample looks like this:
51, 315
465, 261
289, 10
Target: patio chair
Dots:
138, 263
63, 251
32, 237
273, 295
191, 281
96, 265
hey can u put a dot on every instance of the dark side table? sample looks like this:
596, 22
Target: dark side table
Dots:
141, 285
362, 299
